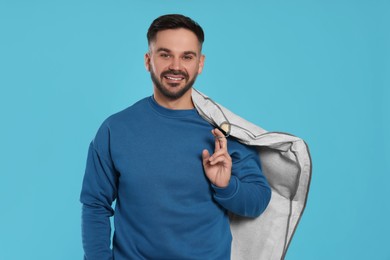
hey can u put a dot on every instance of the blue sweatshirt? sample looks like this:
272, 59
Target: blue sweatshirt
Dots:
148, 159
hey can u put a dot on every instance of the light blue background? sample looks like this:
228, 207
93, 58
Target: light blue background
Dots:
317, 69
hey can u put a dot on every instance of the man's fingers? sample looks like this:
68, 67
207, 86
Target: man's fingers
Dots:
216, 144
220, 159
217, 157
220, 139
205, 156
218, 153
217, 160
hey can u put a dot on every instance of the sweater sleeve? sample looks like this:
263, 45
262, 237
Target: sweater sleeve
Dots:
248, 192
97, 195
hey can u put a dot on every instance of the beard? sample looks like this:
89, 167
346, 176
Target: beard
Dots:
172, 95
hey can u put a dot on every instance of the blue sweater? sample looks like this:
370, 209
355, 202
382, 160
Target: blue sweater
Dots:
148, 159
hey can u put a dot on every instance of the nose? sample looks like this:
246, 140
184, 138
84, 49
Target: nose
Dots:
175, 64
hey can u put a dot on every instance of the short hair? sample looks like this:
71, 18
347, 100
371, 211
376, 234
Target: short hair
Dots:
174, 21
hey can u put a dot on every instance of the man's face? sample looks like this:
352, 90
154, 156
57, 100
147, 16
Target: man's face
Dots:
174, 60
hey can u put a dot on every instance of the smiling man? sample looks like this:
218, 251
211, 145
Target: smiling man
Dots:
174, 61
173, 175
174, 68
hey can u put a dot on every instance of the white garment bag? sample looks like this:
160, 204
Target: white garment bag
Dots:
286, 163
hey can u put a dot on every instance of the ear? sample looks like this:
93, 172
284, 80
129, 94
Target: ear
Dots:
147, 61
201, 63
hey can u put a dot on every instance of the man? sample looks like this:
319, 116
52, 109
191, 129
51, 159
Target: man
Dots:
154, 158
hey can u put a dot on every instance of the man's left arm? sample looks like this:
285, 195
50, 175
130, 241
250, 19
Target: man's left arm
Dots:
237, 180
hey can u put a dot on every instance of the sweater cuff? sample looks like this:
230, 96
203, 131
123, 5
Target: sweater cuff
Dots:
229, 191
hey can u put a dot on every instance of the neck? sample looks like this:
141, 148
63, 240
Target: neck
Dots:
184, 102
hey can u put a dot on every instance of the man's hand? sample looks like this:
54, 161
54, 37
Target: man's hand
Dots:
218, 167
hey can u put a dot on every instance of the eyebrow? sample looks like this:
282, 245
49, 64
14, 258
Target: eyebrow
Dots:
169, 51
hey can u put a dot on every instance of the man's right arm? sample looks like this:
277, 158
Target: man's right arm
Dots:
98, 192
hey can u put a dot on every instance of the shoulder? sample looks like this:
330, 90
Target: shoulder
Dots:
245, 159
239, 151
119, 121
131, 112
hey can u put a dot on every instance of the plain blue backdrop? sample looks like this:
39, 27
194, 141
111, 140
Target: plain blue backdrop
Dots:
316, 69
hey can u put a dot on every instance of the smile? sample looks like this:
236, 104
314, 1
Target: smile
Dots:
174, 78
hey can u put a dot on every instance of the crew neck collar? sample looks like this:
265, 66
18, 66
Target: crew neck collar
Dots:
171, 112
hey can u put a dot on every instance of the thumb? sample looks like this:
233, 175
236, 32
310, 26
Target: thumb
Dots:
205, 156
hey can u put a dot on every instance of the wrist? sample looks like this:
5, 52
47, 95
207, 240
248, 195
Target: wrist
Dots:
227, 191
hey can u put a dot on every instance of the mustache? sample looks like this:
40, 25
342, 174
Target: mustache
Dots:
175, 72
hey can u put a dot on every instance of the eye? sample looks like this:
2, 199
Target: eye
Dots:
164, 55
188, 57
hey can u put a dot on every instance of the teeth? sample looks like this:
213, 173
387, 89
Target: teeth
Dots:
177, 79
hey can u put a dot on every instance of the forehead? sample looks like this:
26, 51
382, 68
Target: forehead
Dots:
176, 40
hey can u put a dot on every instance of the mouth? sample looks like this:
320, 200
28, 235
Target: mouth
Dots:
175, 78
170, 78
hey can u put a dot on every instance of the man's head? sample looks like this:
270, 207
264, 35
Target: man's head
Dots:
174, 21
174, 58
